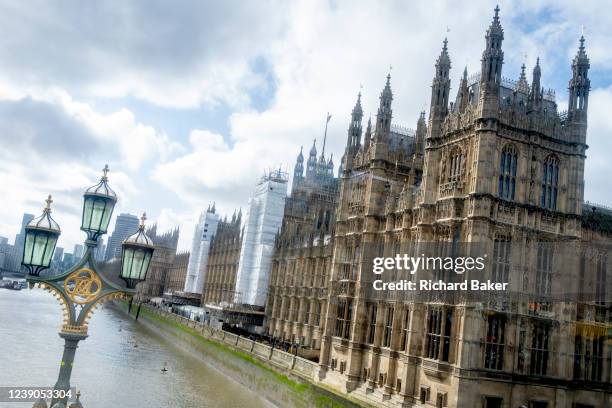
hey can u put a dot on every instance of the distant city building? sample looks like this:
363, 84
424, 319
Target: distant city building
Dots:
68, 261
19, 238
14, 259
202, 235
175, 278
125, 225
78, 252
100, 250
161, 264
3, 241
58, 255
262, 223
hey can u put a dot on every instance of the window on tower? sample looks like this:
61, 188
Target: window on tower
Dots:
494, 342
550, 182
457, 163
507, 173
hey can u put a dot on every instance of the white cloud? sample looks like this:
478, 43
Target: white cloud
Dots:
202, 55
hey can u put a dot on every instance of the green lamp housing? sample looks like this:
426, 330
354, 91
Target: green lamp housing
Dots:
98, 205
41, 236
137, 252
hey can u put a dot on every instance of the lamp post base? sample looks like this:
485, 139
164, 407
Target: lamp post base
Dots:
71, 342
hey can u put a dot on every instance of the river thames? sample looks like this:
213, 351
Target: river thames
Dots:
120, 364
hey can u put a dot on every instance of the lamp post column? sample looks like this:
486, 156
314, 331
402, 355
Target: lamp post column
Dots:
71, 342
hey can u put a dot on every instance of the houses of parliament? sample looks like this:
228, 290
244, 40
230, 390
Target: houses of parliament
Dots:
500, 166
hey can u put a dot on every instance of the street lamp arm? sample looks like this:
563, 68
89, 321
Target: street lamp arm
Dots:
87, 311
67, 307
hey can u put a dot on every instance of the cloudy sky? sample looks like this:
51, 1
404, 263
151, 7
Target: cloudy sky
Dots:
190, 102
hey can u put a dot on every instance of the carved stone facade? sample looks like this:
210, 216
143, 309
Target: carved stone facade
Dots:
175, 278
297, 296
500, 165
223, 257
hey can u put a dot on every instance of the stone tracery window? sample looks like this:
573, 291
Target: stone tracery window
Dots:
507, 173
495, 342
457, 163
388, 329
372, 323
343, 318
439, 325
550, 183
539, 349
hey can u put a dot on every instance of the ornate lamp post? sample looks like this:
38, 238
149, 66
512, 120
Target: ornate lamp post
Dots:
82, 288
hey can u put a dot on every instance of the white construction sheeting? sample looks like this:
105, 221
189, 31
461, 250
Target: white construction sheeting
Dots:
263, 220
196, 269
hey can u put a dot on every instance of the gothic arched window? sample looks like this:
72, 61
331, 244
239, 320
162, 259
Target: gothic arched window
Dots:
550, 182
507, 173
456, 165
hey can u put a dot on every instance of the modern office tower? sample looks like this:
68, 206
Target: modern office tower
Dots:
198, 260
68, 261
125, 225
15, 258
263, 221
78, 252
19, 238
100, 250
3, 241
58, 255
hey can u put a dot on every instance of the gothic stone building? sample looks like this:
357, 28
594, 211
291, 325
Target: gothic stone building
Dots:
161, 264
223, 256
175, 278
500, 166
297, 296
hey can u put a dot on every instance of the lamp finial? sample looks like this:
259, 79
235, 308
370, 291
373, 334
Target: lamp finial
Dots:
47, 208
105, 170
142, 221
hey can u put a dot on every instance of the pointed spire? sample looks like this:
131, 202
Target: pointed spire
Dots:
535, 96
213, 208
368, 134
495, 27
444, 59
491, 68
536, 70
522, 85
313, 149
579, 87
298, 170
387, 89
357, 110
385, 114
462, 94
440, 89
353, 141
421, 133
